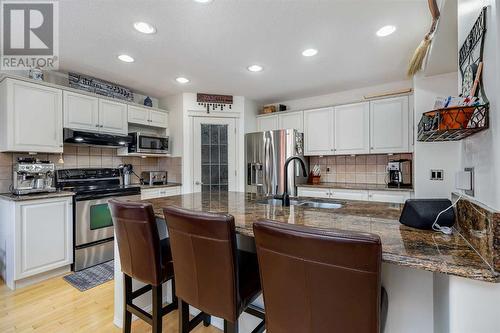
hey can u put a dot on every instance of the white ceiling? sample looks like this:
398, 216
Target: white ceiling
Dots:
213, 44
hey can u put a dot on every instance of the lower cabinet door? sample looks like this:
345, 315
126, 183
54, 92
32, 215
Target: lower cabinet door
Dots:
389, 196
313, 192
44, 232
350, 195
151, 193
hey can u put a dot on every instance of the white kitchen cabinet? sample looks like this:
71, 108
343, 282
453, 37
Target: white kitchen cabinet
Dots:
137, 115
314, 192
293, 120
80, 111
267, 123
346, 194
158, 119
143, 116
352, 128
151, 193
36, 238
390, 125
31, 118
318, 132
113, 117
389, 196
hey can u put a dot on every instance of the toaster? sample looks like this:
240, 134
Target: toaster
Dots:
154, 177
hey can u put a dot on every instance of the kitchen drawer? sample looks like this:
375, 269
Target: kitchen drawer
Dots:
151, 193
389, 196
313, 192
349, 194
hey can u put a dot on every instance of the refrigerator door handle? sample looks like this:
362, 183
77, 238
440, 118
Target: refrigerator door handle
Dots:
266, 166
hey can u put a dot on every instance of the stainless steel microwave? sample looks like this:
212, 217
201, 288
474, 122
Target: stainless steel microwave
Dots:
146, 143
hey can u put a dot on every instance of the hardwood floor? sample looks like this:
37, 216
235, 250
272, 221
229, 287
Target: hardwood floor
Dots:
55, 306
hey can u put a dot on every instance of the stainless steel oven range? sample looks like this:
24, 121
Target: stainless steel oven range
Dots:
93, 230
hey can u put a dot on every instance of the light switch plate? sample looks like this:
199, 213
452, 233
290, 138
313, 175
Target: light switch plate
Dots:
463, 180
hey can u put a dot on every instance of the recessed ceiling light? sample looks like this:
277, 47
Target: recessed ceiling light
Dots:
126, 58
144, 27
203, 1
309, 52
182, 80
386, 30
255, 68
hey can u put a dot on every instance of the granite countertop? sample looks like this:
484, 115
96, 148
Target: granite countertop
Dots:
168, 184
35, 196
401, 245
348, 186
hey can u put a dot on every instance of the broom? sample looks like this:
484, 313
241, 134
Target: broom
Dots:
417, 60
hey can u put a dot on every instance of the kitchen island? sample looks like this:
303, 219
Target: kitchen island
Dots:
415, 261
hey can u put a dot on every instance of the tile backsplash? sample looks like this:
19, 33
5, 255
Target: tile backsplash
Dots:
93, 157
359, 169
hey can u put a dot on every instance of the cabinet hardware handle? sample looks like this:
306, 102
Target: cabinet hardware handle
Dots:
97, 125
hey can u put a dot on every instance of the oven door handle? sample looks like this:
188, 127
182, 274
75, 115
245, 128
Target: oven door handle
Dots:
87, 197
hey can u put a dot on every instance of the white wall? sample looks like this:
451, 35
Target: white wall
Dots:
343, 97
435, 155
482, 151
182, 108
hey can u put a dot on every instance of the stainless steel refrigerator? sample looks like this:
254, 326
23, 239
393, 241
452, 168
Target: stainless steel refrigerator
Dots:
265, 156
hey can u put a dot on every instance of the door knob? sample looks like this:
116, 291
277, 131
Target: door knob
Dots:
197, 183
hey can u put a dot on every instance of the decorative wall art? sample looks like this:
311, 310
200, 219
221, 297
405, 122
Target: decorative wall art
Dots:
100, 87
215, 102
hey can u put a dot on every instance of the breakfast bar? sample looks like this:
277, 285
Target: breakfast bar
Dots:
414, 261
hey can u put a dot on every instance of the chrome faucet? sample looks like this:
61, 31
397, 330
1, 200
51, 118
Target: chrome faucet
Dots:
286, 197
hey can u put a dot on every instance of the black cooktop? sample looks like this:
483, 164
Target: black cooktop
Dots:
90, 182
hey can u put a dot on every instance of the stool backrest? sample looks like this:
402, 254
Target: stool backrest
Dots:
317, 280
204, 254
138, 240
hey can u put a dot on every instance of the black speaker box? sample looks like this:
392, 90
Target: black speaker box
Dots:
421, 213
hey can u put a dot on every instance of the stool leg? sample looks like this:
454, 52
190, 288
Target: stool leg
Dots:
230, 327
207, 320
175, 300
127, 299
183, 317
157, 308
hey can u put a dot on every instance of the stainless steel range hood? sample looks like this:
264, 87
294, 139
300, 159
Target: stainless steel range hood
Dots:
96, 139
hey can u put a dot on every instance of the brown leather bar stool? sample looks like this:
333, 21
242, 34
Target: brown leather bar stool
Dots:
320, 281
211, 274
143, 257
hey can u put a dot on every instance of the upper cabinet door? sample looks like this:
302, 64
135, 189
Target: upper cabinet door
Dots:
158, 119
352, 128
267, 123
137, 115
33, 119
80, 111
113, 117
294, 120
318, 132
389, 122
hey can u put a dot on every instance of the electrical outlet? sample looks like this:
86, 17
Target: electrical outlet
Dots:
437, 174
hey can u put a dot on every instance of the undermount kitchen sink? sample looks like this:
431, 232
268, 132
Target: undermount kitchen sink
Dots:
302, 203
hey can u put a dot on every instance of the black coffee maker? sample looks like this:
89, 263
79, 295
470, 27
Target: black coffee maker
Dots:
400, 173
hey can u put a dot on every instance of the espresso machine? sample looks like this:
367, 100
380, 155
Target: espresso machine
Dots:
33, 176
400, 173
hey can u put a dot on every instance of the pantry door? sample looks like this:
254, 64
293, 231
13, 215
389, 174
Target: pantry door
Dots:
214, 149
